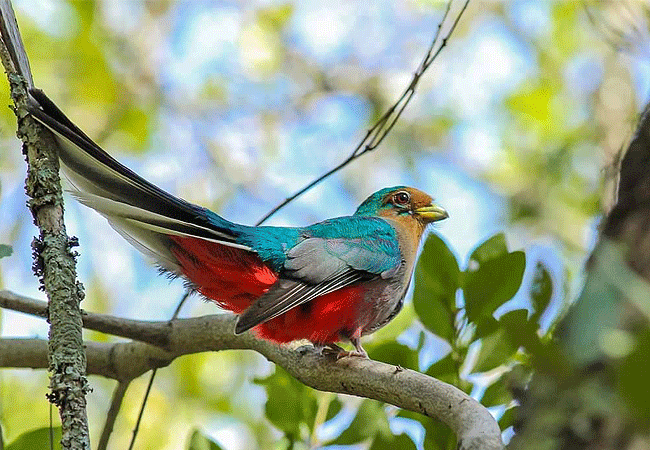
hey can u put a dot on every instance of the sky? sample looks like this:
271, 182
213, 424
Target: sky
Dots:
219, 40
257, 137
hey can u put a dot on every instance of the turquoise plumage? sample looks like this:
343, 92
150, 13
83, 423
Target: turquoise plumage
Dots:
334, 280
331, 281
337, 279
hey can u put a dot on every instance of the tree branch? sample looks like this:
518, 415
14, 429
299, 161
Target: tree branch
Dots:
162, 342
157, 344
111, 415
54, 261
376, 134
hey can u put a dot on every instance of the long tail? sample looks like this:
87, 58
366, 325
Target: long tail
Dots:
145, 214
142, 212
183, 238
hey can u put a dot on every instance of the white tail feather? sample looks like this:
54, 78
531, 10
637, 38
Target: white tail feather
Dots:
149, 243
82, 158
147, 220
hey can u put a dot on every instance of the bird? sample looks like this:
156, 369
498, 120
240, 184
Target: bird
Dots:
336, 280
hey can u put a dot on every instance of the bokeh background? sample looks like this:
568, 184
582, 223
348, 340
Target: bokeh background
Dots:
517, 127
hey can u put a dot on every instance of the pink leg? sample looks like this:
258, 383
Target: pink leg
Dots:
358, 351
328, 349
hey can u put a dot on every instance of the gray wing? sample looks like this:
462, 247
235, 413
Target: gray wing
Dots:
316, 267
286, 294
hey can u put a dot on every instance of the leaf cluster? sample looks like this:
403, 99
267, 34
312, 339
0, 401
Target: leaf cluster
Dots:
468, 309
462, 307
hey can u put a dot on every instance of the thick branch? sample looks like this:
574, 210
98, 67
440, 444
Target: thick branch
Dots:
614, 299
54, 262
165, 341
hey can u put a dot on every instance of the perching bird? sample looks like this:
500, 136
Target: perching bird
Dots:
335, 280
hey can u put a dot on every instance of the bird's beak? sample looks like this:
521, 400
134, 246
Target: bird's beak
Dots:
432, 213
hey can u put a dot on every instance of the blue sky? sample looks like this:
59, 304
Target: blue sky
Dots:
262, 141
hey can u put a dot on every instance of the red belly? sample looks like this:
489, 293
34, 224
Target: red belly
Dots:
234, 278
324, 320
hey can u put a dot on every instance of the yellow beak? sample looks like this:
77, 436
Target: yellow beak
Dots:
432, 213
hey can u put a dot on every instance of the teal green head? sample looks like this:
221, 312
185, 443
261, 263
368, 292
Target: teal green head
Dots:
401, 202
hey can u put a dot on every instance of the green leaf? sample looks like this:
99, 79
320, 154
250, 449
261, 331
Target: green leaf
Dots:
497, 393
446, 369
5, 251
333, 408
521, 331
508, 418
433, 309
486, 327
437, 278
547, 357
395, 354
492, 248
370, 419
541, 290
496, 349
632, 382
289, 402
439, 263
199, 441
392, 442
36, 439
495, 282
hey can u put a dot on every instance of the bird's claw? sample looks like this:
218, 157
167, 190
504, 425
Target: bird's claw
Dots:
352, 353
328, 350
306, 349
338, 352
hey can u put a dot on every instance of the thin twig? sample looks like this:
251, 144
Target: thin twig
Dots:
153, 375
111, 416
378, 132
144, 403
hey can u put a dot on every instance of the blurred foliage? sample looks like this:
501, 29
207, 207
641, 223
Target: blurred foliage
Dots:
5, 250
40, 438
261, 109
594, 393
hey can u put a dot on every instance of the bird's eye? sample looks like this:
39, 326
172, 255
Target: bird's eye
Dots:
401, 198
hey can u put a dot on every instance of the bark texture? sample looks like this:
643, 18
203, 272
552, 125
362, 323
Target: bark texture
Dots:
54, 260
157, 344
587, 410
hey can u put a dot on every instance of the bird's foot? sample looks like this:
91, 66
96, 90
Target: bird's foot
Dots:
307, 349
328, 349
339, 352
358, 351
352, 353
357, 346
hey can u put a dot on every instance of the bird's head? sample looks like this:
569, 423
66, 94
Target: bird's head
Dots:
402, 203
